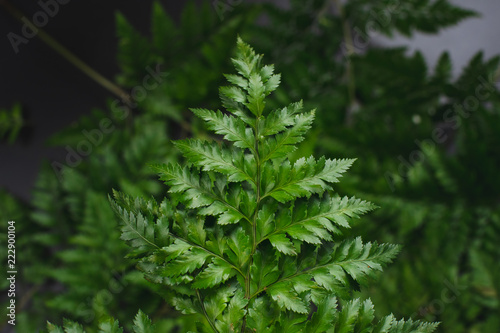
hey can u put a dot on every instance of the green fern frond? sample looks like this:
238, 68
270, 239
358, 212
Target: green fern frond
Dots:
232, 198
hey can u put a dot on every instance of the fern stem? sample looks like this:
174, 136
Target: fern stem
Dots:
254, 219
68, 55
212, 325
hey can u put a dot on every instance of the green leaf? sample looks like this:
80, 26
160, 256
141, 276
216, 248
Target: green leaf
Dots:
408, 18
281, 243
360, 260
187, 262
217, 301
261, 315
72, 327
195, 190
264, 271
217, 272
324, 316
230, 217
184, 305
175, 249
237, 80
240, 244
11, 123
291, 322
142, 324
265, 220
443, 71
234, 93
69, 327
280, 120
211, 156
284, 143
137, 229
315, 217
286, 297
348, 317
365, 317
272, 83
163, 29
403, 326
51, 328
232, 318
256, 95
232, 128
384, 325
335, 268
246, 60
235, 205
134, 53
110, 326
306, 177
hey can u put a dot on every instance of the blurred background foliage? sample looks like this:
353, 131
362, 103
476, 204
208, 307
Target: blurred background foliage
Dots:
11, 123
427, 143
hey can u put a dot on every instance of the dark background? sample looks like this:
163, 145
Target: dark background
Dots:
52, 91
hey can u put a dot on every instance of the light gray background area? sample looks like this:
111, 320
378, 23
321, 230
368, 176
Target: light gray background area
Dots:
462, 41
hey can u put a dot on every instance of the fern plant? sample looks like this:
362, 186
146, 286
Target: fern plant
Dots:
250, 241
